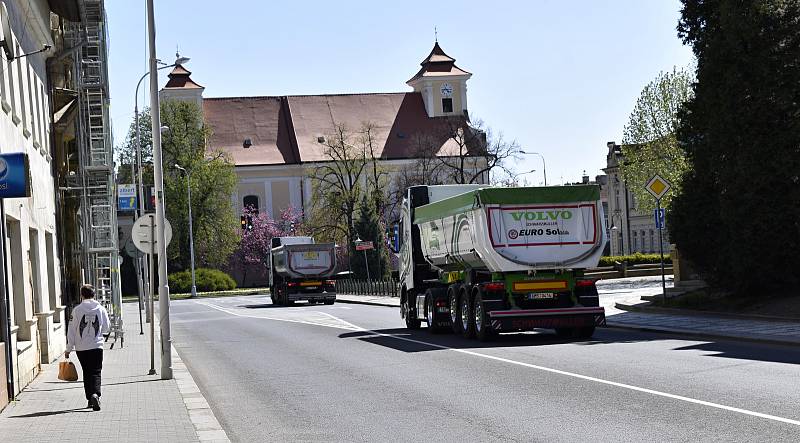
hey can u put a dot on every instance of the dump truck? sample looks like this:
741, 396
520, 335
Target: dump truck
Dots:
301, 269
482, 260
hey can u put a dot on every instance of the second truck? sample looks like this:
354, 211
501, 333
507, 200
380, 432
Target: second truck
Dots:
300, 269
482, 260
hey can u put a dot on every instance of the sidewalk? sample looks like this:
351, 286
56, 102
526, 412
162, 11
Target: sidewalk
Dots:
759, 330
136, 407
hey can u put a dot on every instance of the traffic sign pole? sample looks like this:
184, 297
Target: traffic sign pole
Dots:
661, 249
152, 294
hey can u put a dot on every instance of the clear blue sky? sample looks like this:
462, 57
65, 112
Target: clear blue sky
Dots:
560, 77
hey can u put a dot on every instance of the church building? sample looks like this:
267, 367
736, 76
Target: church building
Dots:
275, 142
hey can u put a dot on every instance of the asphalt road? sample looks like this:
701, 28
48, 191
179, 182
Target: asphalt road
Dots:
354, 373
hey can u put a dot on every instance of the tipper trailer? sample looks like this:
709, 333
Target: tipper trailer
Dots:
300, 269
481, 260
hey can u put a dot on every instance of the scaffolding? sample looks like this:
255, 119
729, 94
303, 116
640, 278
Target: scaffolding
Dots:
96, 181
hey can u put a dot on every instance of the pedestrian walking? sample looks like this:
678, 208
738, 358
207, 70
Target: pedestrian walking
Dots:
85, 335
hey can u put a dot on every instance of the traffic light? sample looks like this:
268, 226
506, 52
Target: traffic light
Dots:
247, 222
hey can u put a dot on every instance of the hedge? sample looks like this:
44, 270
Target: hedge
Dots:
635, 259
205, 279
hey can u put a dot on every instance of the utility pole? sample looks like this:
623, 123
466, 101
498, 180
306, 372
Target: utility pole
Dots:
158, 173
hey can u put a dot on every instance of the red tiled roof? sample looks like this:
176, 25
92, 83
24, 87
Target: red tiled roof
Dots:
263, 120
286, 130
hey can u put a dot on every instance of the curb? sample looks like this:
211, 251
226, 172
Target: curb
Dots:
672, 311
704, 335
203, 419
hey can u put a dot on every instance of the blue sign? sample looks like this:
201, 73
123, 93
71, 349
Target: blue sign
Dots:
126, 197
396, 237
659, 215
14, 175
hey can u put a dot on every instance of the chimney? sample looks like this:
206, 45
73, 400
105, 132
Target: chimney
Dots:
585, 178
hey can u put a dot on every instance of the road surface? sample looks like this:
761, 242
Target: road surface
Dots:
354, 373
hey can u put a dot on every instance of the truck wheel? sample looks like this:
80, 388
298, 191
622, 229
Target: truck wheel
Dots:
483, 328
455, 314
467, 316
434, 324
407, 313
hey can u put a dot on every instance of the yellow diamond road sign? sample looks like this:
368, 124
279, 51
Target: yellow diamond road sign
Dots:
657, 186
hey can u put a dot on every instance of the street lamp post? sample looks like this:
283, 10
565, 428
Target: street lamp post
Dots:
158, 175
191, 234
544, 165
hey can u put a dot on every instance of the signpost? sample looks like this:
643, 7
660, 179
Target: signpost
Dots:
143, 235
658, 187
126, 197
14, 182
364, 246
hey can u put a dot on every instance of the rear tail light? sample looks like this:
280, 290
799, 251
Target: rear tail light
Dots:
495, 286
584, 283
441, 303
330, 282
291, 284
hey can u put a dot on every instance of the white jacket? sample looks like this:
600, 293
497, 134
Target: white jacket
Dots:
89, 323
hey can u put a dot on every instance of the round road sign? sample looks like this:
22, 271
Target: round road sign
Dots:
143, 231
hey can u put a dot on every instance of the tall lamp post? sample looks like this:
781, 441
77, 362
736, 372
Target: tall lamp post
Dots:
544, 166
158, 178
191, 234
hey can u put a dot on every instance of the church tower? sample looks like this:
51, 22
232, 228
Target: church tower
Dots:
181, 87
443, 85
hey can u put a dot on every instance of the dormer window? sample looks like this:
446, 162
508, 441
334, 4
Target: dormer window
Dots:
447, 105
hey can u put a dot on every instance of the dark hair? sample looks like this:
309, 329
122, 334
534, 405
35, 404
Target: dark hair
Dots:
87, 291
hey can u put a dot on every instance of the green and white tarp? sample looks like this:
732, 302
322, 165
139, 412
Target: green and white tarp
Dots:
514, 229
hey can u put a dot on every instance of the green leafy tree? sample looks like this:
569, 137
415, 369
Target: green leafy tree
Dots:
650, 145
126, 154
369, 228
212, 179
737, 216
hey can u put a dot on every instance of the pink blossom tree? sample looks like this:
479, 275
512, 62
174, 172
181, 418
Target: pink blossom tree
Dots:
257, 233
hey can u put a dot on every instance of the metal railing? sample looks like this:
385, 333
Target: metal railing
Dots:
386, 287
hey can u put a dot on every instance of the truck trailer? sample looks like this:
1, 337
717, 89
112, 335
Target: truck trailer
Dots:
300, 269
481, 260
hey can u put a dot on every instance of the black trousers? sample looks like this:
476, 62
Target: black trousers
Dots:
92, 365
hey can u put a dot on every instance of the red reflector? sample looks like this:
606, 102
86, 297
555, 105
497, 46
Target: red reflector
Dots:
440, 303
584, 283
290, 284
330, 282
495, 286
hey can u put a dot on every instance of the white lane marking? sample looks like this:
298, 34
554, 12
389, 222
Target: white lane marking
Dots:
342, 325
353, 327
598, 380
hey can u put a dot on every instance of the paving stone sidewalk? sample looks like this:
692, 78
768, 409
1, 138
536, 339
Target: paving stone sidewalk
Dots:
706, 325
136, 407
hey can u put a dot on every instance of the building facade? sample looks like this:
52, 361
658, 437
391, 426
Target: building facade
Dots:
631, 230
276, 142
34, 310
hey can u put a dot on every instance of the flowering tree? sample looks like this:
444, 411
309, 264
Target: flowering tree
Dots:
258, 231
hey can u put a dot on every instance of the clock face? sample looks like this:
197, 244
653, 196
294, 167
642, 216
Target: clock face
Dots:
447, 90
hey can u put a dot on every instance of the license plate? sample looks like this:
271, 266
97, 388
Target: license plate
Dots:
541, 296
310, 255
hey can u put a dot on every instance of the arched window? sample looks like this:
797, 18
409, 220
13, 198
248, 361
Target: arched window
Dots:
250, 202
